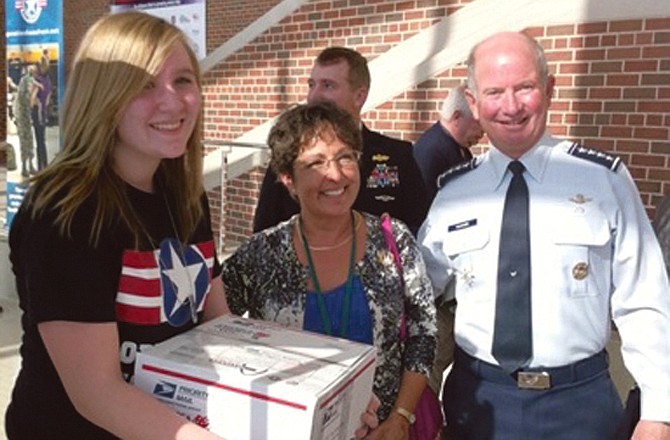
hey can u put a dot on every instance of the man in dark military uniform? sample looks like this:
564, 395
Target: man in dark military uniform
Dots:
390, 178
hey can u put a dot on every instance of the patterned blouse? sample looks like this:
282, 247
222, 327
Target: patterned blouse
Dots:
265, 278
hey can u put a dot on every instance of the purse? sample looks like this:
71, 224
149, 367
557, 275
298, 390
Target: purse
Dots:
428, 411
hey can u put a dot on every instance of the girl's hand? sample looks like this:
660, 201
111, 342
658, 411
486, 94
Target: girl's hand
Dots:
369, 418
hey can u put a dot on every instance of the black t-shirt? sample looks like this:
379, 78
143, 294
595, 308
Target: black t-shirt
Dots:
149, 293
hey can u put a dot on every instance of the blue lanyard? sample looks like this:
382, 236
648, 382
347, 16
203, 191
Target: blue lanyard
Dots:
325, 319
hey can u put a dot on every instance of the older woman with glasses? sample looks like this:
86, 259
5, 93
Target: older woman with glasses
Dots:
328, 269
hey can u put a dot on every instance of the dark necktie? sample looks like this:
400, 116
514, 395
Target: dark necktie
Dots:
512, 337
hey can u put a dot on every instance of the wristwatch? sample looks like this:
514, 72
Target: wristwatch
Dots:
411, 418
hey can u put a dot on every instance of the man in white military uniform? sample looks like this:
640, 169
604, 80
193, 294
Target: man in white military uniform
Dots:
590, 256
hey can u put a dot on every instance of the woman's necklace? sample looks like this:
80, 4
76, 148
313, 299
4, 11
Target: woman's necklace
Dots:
332, 246
175, 272
321, 303
191, 286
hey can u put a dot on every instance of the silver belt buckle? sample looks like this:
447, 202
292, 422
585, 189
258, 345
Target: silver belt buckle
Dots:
540, 380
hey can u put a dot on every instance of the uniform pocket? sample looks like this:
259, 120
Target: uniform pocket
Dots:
466, 244
465, 236
582, 237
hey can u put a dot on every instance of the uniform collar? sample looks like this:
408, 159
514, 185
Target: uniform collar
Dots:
535, 160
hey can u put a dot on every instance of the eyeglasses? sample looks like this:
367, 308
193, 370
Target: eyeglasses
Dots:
344, 160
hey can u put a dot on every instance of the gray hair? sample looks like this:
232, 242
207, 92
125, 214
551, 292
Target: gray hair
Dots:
455, 101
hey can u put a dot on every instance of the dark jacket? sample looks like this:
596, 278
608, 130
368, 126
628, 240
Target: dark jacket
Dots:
435, 152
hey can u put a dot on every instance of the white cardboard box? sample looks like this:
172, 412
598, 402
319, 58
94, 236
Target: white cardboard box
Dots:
252, 380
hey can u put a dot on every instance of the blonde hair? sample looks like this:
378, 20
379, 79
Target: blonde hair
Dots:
117, 58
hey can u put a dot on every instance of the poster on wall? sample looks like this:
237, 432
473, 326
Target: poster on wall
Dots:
34, 42
187, 15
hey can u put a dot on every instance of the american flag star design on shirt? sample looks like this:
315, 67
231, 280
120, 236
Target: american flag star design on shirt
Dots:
165, 285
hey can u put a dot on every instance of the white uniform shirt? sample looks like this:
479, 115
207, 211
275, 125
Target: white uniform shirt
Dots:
592, 248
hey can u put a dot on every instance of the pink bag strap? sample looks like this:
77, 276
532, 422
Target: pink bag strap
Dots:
387, 229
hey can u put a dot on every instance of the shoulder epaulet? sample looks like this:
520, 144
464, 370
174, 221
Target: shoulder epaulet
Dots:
594, 155
457, 170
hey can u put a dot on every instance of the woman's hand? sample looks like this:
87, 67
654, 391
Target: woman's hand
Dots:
396, 427
369, 418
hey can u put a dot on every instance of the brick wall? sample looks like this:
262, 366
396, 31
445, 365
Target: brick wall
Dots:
613, 80
612, 92
224, 20
228, 17
613, 85
271, 72
78, 16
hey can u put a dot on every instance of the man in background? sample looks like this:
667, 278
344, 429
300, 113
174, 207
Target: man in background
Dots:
447, 142
444, 145
390, 178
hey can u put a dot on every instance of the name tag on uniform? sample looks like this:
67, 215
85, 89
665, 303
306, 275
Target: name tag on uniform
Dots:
462, 225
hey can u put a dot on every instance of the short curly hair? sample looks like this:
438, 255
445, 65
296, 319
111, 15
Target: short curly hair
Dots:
297, 127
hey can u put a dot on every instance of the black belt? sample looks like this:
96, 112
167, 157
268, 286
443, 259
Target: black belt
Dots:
539, 378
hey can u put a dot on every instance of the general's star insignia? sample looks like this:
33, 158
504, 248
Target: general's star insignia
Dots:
580, 199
